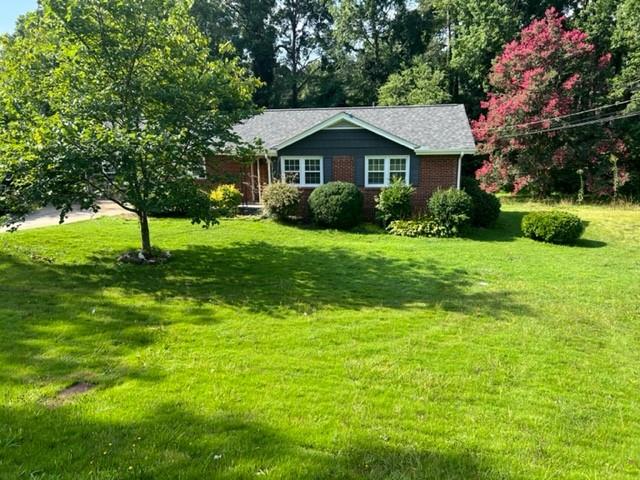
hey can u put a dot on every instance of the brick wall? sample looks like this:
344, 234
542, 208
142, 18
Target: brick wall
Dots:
343, 169
226, 169
435, 172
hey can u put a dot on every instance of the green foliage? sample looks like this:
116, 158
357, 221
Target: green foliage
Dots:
553, 227
422, 227
627, 40
394, 202
486, 206
226, 199
118, 100
301, 26
281, 200
373, 39
416, 85
336, 205
451, 209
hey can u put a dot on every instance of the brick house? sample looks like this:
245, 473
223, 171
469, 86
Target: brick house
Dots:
369, 146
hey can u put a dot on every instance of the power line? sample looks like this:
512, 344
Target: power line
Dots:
574, 125
550, 119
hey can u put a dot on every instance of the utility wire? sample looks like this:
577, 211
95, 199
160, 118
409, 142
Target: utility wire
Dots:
574, 125
551, 119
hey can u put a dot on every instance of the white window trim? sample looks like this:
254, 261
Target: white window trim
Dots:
301, 159
387, 170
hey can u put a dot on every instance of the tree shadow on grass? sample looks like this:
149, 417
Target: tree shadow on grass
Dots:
266, 278
507, 229
169, 442
64, 323
58, 325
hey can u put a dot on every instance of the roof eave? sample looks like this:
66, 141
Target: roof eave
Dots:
422, 151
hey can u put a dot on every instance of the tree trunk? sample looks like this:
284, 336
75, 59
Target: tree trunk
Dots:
144, 233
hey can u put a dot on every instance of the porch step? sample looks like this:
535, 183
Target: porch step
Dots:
251, 209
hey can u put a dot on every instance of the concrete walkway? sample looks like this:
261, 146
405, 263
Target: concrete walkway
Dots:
49, 216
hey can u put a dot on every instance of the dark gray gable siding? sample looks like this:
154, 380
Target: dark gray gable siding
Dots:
354, 142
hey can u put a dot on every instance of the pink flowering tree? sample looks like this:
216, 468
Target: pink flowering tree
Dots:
548, 72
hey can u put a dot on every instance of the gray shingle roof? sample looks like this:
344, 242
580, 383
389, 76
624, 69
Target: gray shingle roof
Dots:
433, 127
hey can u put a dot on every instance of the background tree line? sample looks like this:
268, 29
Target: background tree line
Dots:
343, 52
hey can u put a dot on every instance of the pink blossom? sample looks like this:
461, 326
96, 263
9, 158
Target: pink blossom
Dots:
604, 61
571, 81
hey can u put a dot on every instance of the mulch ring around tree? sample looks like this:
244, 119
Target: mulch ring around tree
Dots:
138, 257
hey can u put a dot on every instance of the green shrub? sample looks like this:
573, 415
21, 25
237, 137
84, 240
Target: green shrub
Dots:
226, 199
394, 202
486, 206
281, 200
424, 227
552, 226
336, 205
451, 209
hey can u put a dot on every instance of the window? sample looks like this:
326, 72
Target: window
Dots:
303, 171
380, 171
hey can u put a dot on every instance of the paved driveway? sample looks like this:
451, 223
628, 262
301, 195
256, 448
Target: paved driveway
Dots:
50, 216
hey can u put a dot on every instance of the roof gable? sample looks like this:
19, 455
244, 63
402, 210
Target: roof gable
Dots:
341, 118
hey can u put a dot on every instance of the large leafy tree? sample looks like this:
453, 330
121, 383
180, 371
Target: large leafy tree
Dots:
301, 26
115, 99
249, 25
627, 38
626, 85
371, 42
548, 72
415, 85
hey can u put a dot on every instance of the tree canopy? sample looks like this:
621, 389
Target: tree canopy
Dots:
416, 85
119, 100
548, 73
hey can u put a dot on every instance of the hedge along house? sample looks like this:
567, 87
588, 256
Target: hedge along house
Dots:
368, 146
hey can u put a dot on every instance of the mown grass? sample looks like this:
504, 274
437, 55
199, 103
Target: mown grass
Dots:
263, 350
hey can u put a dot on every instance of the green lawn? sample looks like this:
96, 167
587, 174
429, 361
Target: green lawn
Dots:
273, 351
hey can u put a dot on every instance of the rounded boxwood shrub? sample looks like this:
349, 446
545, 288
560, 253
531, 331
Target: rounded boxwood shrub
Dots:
336, 205
226, 199
451, 209
486, 206
281, 200
394, 202
552, 226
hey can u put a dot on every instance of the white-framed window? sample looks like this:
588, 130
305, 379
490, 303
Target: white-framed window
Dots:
304, 171
382, 170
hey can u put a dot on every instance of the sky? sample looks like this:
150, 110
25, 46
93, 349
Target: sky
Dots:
10, 10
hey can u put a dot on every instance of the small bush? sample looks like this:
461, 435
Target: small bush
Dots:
281, 200
394, 202
425, 227
336, 205
553, 227
226, 199
451, 209
486, 206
